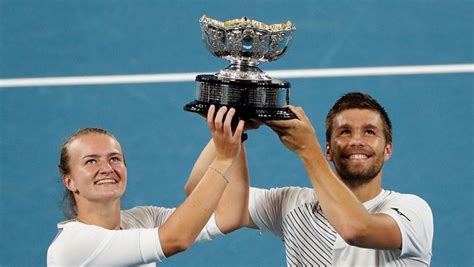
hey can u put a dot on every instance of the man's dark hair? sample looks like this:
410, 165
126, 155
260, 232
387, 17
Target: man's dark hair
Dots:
358, 100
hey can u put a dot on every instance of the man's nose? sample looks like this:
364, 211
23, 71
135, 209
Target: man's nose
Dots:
357, 139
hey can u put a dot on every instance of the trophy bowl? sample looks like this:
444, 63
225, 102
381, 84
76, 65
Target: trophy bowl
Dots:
242, 85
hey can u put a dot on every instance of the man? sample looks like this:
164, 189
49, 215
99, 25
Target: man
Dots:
346, 219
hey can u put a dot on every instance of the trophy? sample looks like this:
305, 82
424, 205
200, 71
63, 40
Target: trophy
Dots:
242, 85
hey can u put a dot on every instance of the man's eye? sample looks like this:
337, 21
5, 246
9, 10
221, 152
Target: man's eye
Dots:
345, 132
370, 132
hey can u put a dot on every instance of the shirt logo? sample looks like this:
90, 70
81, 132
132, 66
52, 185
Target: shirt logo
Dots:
400, 213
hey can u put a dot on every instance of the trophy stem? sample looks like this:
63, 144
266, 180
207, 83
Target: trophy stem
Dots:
243, 70
246, 62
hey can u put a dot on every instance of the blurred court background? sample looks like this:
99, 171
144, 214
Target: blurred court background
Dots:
432, 114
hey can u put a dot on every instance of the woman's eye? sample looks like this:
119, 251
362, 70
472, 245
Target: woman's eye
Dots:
91, 161
113, 159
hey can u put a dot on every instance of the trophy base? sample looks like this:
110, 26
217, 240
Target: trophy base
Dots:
260, 100
261, 114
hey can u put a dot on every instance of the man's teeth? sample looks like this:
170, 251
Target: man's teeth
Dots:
358, 156
106, 181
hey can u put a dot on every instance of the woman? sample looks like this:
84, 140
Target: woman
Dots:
94, 172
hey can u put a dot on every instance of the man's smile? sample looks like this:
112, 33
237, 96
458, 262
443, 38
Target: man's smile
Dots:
357, 157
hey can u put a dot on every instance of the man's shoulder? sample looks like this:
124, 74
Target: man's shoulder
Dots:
396, 200
393, 196
285, 191
288, 197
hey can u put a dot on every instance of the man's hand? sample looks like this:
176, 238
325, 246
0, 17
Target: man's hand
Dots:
298, 134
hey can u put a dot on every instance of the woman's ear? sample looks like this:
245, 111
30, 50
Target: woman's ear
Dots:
69, 183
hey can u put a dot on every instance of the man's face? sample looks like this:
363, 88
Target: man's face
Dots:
358, 147
97, 168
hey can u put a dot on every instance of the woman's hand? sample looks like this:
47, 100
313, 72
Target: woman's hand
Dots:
227, 144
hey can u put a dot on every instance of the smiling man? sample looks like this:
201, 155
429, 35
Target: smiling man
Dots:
346, 218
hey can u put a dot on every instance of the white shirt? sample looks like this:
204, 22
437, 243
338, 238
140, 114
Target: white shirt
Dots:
294, 215
138, 244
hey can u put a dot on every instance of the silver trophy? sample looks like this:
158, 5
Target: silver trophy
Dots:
242, 85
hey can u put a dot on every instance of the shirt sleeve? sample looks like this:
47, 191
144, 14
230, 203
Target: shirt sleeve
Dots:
80, 244
209, 232
415, 221
268, 207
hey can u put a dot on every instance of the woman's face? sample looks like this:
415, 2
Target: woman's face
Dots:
97, 168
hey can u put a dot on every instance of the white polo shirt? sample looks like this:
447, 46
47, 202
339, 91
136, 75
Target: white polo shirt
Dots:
138, 244
294, 215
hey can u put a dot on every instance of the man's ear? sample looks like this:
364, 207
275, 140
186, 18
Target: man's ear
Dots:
388, 151
328, 152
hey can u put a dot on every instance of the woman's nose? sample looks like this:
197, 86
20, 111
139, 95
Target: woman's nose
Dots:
106, 168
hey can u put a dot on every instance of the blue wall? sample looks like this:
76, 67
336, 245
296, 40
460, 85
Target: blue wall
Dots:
432, 114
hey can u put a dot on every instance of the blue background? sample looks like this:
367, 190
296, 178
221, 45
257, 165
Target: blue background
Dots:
432, 114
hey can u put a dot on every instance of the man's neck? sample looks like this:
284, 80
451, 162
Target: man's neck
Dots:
367, 191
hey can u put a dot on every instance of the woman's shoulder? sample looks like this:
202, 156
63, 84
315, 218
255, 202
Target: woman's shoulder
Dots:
144, 216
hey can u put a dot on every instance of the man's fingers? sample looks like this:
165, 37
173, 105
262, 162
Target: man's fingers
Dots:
283, 124
280, 125
299, 112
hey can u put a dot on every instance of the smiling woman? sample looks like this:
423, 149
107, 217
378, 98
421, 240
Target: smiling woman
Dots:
68, 150
98, 232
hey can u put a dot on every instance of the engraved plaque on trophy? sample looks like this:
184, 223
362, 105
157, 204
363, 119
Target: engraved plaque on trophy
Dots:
242, 85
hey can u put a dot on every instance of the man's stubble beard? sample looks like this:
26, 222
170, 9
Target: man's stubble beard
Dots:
355, 178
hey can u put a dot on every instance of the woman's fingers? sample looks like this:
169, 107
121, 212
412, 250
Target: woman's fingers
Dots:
210, 118
221, 123
219, 117
228, 122
239, 130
